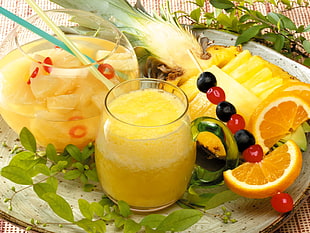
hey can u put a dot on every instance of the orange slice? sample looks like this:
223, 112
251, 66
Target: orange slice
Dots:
276, 172
278, 116
298, 87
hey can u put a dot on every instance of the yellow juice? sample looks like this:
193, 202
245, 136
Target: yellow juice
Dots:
148, 160
61, 105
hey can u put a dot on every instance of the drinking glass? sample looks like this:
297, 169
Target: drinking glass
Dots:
52, 93
144, 152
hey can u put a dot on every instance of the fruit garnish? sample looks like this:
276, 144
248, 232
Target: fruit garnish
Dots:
278, 116
253, 154
220, 130
78, 131
235, 123
244, 139
49, 63
225, 110
273, 174
205, 81
301, 88
282, 202
216, 95
107, 70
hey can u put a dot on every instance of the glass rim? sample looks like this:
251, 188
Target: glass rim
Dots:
184, 112
119, 35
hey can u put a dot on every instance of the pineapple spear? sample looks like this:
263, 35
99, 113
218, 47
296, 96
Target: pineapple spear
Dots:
160, 37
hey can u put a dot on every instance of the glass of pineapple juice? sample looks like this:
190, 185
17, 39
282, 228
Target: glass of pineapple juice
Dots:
48, 90
144, 149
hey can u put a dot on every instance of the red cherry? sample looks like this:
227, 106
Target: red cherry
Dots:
253, 153
107, 70
48, 61
282, 202
236, 123
216, 95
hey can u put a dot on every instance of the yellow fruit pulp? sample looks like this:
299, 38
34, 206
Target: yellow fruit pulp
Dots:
243, 99
150, 164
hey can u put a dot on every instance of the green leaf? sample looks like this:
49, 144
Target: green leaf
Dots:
222, 4
25, 160
79, 166
27, 140
249, 34
224, 20
96, 208
124, 209
279, 43
72, 174
286, 2
180, 220
307, 61
88, 187
75, 152
85, 209
220, 198
307, 29
87, 152
306, 44
119, 221
53, 182
200, 3
195, 14
281, 21
17, 175
131, 226
42, 168
98, 226
92, 174
41, 188
51, 153
152, 220
59, 205
59, 166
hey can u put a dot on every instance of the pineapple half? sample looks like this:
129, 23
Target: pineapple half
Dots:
246, 79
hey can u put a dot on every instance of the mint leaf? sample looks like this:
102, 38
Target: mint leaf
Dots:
72, 174
59, 205
17, 175
249, 34
124, 209
195, 14
85, 209
131, 226
51, 153
42, 188
96, 208
42, 168
220, 198
222, 4
180, 220
27, 140
152, 220
92, 226
74, 152
306, 44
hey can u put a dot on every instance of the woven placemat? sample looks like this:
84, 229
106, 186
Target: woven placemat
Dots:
300, 222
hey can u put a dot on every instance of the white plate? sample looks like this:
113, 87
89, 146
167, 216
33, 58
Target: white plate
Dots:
252, 215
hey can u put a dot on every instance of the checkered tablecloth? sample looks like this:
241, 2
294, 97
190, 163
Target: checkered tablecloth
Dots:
300, 222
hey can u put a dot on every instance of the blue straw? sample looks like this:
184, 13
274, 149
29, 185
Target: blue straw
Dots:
37, 31
34, 29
